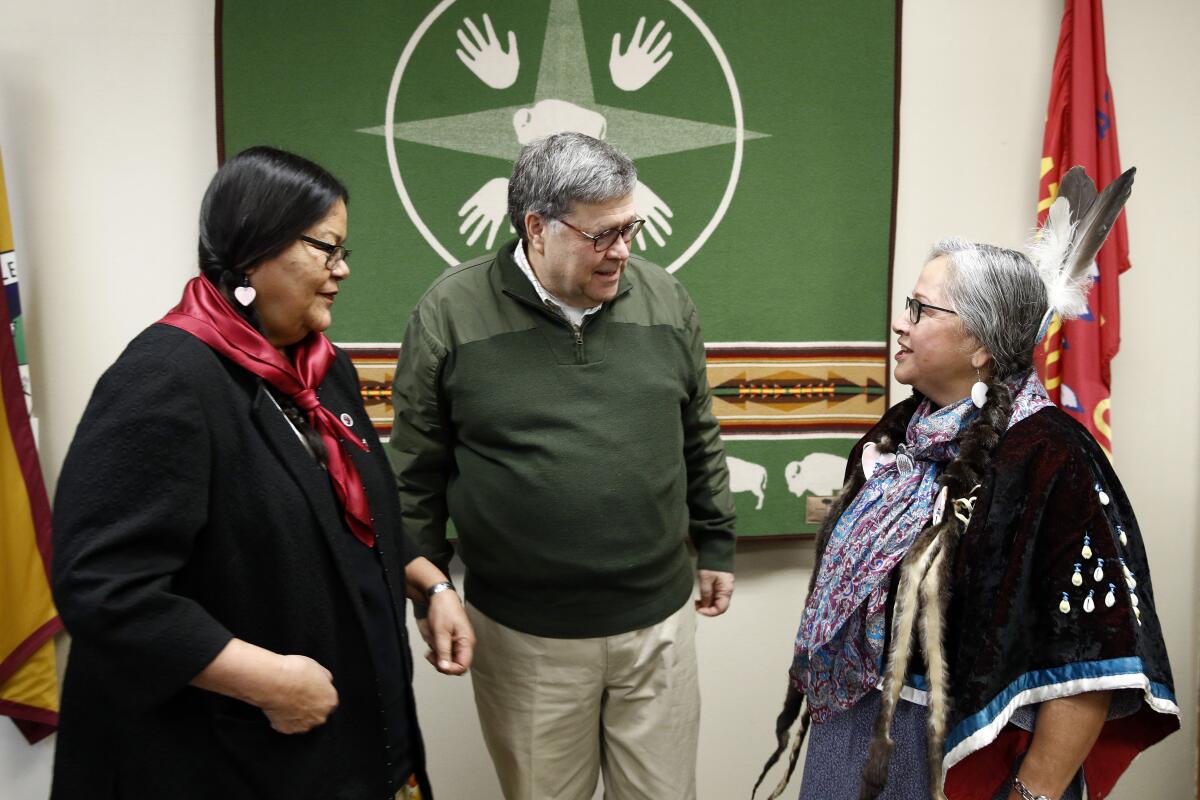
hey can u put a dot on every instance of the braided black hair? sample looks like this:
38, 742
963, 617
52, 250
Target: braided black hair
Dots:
925, 571
893, 423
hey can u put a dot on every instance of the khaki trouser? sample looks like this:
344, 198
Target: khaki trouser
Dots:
555, 712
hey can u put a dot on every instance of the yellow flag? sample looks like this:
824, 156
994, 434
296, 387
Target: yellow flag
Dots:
28, 679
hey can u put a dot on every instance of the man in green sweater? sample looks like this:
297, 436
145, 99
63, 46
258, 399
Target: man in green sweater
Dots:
552, 401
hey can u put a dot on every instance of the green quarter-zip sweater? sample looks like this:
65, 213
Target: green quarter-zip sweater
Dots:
574, 462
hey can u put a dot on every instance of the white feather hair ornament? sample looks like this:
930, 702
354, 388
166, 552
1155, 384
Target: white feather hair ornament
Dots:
1066, 245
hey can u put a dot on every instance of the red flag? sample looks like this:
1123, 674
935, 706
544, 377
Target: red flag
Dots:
1081, 129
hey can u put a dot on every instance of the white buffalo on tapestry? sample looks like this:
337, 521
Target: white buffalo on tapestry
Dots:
745, 476
818, 473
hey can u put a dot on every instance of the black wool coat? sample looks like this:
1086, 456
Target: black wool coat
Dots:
189, 512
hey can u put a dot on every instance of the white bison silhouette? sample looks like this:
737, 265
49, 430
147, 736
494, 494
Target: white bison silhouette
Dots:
548, 117
819, 473
745, 476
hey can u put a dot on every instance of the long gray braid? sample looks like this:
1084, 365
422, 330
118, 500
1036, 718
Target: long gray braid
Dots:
923, 592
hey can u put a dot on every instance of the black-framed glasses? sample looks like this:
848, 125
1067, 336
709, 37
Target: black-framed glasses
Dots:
606, 239
334, 252
916, 306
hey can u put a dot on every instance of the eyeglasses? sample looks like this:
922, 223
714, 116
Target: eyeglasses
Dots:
915, 307
335, 252
606, 239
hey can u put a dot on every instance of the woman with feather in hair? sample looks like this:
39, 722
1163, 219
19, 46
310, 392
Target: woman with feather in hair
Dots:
980, 622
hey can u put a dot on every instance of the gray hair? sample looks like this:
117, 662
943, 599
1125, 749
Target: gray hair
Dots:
999, 297
553, 173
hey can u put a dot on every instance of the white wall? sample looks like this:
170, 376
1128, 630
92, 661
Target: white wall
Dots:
1157, 438
107, 132
108, 138
976, 80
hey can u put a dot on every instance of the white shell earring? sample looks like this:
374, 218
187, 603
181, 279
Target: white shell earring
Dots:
979, 391
245, 293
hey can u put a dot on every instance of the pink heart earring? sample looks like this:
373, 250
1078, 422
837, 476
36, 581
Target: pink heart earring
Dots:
245, 293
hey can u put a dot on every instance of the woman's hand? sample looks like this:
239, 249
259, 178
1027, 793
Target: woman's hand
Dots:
296, 693
303, 698
1063, 735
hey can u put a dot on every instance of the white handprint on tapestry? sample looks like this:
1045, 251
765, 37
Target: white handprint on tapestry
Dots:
655, 212
483, 55
486, 210
634, 68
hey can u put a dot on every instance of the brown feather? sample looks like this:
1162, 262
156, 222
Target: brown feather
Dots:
1094, 215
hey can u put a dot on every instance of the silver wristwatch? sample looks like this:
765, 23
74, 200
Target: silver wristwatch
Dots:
438, 587
1023, 790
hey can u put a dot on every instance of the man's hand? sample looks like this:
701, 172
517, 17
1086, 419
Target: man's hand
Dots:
448, 633
716, 590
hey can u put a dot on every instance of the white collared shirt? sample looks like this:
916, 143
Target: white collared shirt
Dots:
574, 315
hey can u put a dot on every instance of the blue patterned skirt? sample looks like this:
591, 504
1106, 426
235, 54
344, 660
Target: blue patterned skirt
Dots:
837, 750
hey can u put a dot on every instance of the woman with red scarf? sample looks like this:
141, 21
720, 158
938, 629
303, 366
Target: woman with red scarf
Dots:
228, 558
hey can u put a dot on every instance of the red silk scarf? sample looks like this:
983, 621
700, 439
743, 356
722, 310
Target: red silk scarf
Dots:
205, 314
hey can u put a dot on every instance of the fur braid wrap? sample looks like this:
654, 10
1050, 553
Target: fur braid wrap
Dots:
923, 592
793, 704
894, 423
